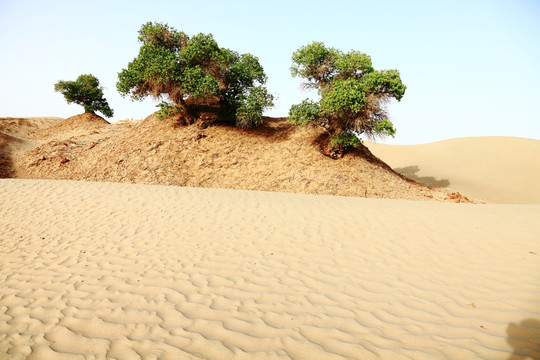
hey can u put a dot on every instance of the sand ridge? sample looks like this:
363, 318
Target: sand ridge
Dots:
274, 157
497, 169
121, 271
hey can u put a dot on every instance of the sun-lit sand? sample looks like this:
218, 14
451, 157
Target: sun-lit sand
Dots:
496, 168
102, 270
277, 156
95, 270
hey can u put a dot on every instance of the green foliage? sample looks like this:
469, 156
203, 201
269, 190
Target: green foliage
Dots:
166, 110
353, 94
174, 67
385, 127
346, 140
163, 36
201, 50
315, 62
353, 64
304, 113
385, 82
242, 92
198, 84
252, 105
85, 91
343, 97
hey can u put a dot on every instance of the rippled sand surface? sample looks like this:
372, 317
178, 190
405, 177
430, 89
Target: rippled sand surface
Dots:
103, 270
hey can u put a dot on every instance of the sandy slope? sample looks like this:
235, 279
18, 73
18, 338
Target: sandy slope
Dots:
496, 169
274, 157
95, 270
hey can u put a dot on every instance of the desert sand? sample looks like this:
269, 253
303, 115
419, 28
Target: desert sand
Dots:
277, 156
94, 270
497, 169
214, 243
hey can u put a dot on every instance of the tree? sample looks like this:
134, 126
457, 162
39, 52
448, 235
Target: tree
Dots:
353, 95
189, 73
85, 91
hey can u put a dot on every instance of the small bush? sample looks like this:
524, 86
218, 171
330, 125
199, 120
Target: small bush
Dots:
345, 140
166, 110
353, 95
195, 71
85, 91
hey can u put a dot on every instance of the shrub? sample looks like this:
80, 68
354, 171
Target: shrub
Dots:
173, 67
85, 91
353, 95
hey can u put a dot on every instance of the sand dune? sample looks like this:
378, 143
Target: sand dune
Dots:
102, 270
277, 156
496, 169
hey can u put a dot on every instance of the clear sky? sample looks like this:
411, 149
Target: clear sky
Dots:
471, 67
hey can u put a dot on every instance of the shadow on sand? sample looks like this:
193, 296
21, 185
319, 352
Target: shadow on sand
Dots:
5, 157
524, 338
411, 171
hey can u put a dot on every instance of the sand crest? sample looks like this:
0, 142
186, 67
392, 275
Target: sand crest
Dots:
103, 270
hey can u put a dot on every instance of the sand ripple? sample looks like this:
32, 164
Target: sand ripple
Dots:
101, 270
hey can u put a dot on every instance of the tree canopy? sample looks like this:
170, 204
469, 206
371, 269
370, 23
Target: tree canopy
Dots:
353, 94
191, 72
85, 91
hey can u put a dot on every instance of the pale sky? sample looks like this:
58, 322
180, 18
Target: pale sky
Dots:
471, 67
